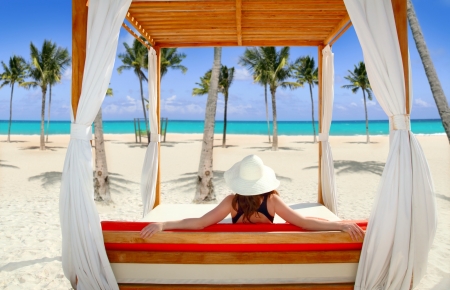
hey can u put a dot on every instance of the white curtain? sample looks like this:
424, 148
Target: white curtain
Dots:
83, 251
150, 168
402, 224
329, 193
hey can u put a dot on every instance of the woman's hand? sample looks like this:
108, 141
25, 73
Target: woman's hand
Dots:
355, 232
152, 229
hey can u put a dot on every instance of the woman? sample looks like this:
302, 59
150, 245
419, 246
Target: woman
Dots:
255, 201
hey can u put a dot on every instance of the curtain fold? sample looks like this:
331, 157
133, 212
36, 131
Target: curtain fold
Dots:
403, 220
329, 192
150, 167
83, 251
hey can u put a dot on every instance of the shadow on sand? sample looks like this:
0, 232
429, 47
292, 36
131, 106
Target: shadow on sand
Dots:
47, 179
17, 265
7, 165
187, 181
350, 166
361, 142
270, 148
14, 141
51, 148
117, 184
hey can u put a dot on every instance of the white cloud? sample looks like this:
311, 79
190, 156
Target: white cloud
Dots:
353, 104
242, 74
130, 105
369, 103
422, 103
341, 108
67, 75
171, 105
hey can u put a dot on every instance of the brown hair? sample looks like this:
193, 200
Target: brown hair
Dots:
249, 204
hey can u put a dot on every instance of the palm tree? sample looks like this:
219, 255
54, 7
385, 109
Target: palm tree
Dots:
59, 62
225, 79
358, 80
16, 72
40, 72
430, 71
136, 59
271, 66
253, 60
305, 71
205, 187
171, 59
101, 176
227, 75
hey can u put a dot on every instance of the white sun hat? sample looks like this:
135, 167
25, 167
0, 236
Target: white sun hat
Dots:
251, 177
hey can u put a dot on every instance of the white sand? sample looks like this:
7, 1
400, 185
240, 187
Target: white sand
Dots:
30, 236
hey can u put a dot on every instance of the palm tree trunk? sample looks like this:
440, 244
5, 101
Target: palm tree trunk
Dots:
224, 138
267, 112
435, 85
205, 187
274, 119
312, 113
101, 177
10, 112
367, 118
143, 108
49, 104
42, 145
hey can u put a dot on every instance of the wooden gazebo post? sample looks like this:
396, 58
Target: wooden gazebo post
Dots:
320, 104
158, 116
399, 8
79, 32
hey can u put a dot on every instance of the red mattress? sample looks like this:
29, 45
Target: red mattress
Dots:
285, 227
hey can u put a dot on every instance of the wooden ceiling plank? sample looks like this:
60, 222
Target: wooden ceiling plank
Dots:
336, 29
198, 44
135, 35
349, 24
298, 7
239, 21
139, 28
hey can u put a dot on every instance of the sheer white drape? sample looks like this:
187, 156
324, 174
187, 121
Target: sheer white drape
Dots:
329, 193
83, 250
402, 224
150, 168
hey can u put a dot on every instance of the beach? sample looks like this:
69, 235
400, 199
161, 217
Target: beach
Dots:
30, 239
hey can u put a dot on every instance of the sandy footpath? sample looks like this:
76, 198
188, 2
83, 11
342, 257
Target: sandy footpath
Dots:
30, 235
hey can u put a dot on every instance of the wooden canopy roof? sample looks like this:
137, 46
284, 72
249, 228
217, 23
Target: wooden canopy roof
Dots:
193, 23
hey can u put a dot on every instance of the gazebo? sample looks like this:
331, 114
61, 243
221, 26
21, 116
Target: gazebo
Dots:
403, 221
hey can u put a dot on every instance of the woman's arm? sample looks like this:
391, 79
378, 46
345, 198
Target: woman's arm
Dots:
293, 217
212, 217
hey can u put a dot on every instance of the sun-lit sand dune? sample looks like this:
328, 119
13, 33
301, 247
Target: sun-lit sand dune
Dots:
30, 236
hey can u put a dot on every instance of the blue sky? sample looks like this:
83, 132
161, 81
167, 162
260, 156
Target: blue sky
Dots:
26, 21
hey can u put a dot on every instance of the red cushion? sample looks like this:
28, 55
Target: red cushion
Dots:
233, 247
284, 227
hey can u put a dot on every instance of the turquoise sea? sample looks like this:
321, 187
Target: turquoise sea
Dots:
341, 128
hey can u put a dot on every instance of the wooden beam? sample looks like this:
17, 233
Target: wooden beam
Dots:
302, 6
225, 43
79, 34
340, 33
167, 44
239, 22
139, 28
337, 29
310, 257
158, 113
399, 8
320, 101
230, 238
135, 35
333, 286
158, 6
